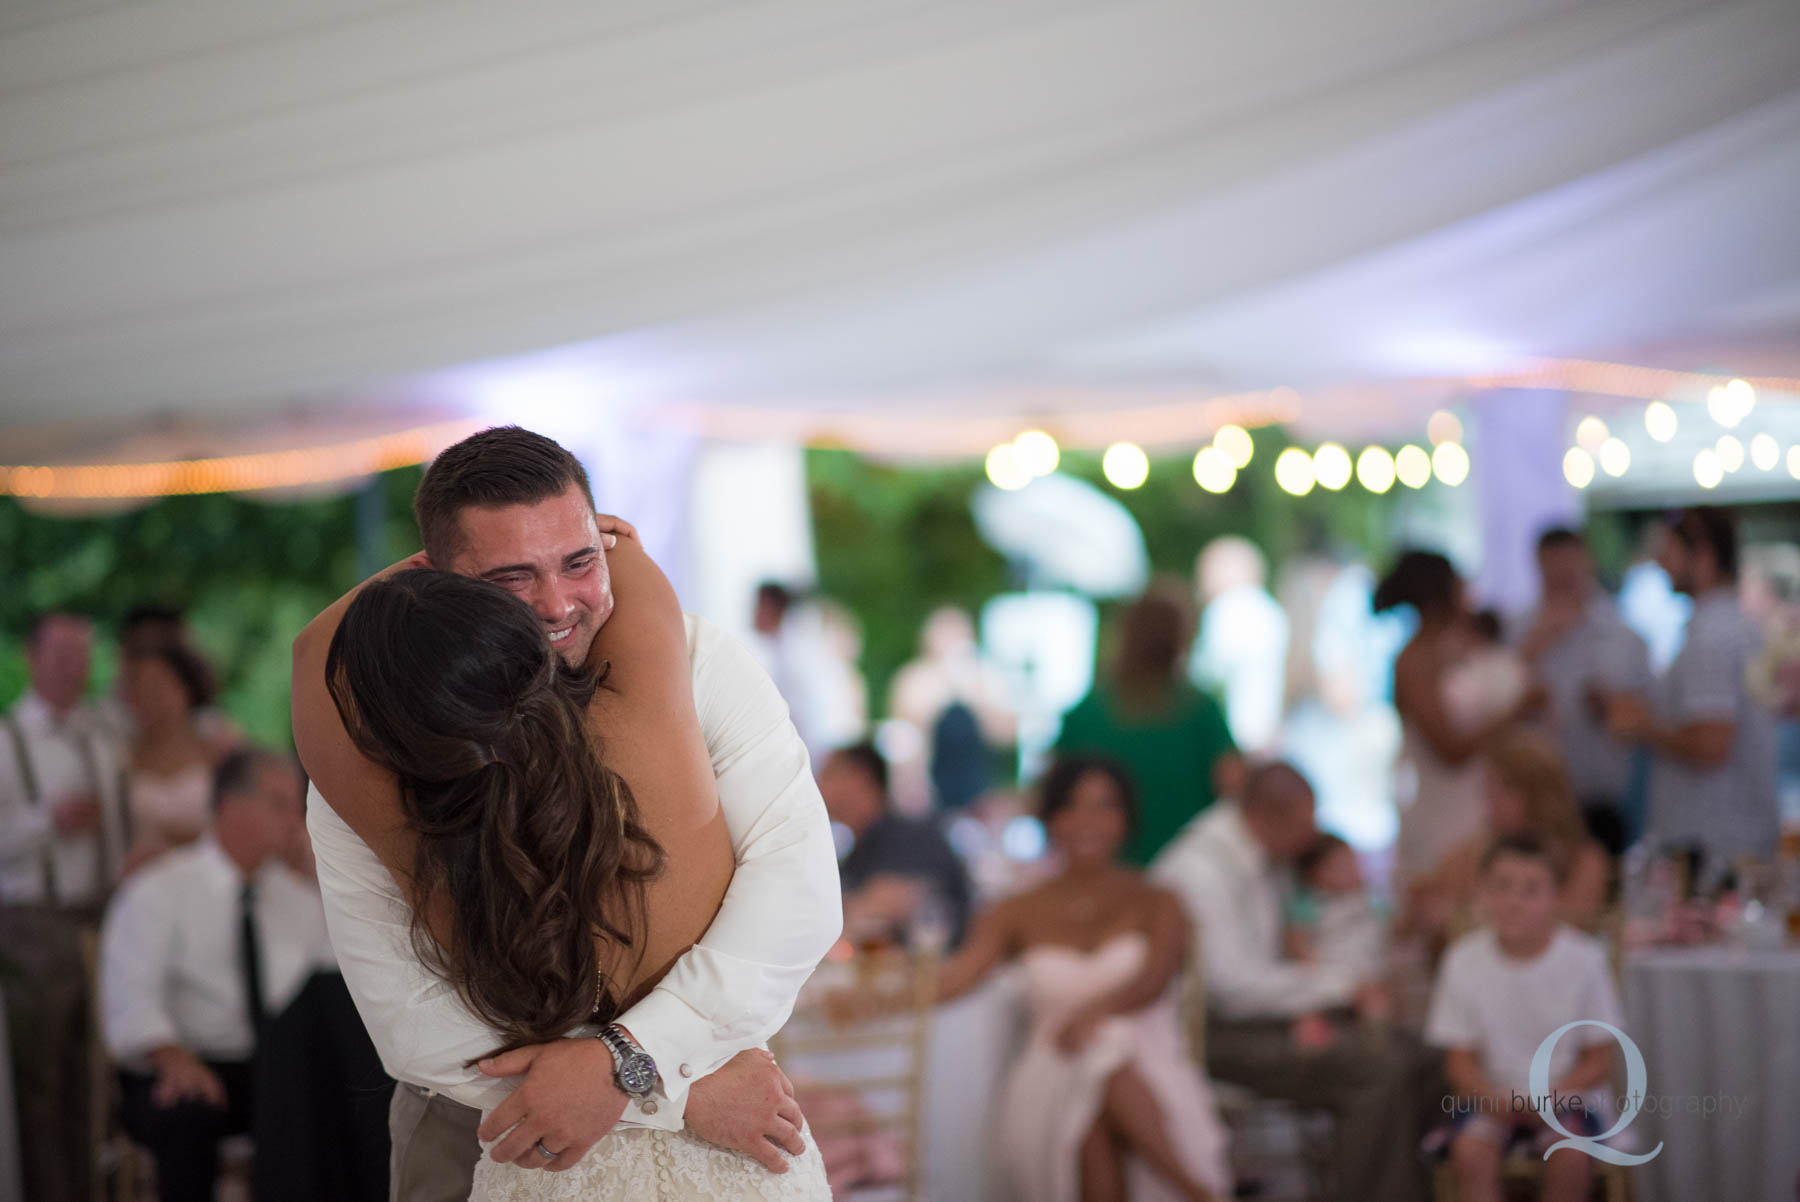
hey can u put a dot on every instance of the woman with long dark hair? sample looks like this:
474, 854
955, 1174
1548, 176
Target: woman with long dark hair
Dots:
1448, 714
561, 843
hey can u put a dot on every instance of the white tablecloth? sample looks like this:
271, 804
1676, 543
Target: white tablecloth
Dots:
1720, 1030
973, 1042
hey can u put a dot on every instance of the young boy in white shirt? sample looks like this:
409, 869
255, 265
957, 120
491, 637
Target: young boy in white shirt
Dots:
1502, 991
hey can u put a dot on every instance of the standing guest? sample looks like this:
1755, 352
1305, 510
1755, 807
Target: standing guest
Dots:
165, 686
1171, 737
895, 862
1453, 696
1263, 1010
952, 699
1504, 990
1106, 1101
1243, 643
199, 952
1712, 744
1583, 651
146, 628
62, 840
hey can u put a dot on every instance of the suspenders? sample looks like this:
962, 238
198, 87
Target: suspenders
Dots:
84, 742
22, 757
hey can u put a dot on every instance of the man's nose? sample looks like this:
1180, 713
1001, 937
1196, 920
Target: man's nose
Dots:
551, 602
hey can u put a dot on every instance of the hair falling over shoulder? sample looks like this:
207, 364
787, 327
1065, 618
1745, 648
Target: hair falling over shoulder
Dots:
530, 852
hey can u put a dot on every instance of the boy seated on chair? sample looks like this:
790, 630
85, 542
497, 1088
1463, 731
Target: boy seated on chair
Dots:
1503, 990
198, 952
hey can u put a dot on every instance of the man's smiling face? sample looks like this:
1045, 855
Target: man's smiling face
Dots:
547, 554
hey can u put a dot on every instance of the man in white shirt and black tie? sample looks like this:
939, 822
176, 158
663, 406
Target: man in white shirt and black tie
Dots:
62, 838
199, 949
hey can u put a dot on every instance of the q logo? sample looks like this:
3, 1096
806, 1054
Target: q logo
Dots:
1634, 1087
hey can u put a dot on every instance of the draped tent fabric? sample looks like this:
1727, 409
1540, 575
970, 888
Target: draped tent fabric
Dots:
235, 212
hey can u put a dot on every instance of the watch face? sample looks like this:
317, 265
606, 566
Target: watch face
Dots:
637, 1074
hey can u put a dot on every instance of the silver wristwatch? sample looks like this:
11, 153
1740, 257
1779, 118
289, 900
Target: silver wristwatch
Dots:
633, 1068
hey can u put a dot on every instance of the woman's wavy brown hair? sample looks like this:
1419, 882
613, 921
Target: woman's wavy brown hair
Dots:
529, 847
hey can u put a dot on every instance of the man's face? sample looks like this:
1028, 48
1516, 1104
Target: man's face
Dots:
59, 659
851, 796
1566, 574
1677, 559
549, 556
271, 811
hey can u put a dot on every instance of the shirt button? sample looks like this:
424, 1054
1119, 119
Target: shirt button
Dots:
648, 1107
687, 1070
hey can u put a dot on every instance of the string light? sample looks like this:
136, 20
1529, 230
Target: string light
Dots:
1660, 420
1125, 465
1590, 432
1765, 452
1413, 466
1236, 444
233, 473
1375, 469
1331, 466
1294, 471
1036, 452
1213, 470
1578, 467
1450, 463
1707, 472
1793, 462
1004, 469
1615, 457
1443, 427
1730, 452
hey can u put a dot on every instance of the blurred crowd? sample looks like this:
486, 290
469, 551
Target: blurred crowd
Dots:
155, 873
1198, 923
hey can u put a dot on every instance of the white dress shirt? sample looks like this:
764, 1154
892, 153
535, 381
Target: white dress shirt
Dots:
1232, 894
169, 961
731, 991
1597, 650
67, 755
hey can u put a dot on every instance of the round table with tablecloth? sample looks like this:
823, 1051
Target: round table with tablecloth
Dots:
1719, 1028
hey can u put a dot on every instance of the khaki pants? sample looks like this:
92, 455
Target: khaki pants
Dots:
48, 1006
435, 1147
1377, 1086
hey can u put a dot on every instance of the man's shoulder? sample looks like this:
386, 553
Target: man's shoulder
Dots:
1204, 844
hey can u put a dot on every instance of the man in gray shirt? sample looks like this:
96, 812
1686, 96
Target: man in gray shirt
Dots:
1584, 652
1712, 779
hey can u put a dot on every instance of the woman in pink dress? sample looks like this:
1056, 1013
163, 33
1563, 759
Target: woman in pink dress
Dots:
1106, 1102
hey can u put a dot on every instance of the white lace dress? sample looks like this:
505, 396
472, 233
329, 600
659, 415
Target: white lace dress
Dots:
638, 1164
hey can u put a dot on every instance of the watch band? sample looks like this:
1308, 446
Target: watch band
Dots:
634, 1070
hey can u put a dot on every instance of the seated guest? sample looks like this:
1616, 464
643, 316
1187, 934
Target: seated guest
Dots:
1504, 989
1228, 869
895, 862
1526, 789
198, 951
1106, 1095
1331, 917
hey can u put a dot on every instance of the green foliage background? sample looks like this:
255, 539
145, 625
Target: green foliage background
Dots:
249, 574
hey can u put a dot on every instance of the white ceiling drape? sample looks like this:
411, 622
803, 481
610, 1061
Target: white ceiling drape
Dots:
216, 210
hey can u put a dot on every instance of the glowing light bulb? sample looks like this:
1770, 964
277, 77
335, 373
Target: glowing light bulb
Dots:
1004, 469
1294, 471
1331, 466
1615, 457
1413, 465
1213, 471
1707, 472
1590, 432
1036, 452
1450, 463
1660, 421
1237, 445
1375, 469
1765, 452
1443, 427
1730, 451
1578, 467
1125, 465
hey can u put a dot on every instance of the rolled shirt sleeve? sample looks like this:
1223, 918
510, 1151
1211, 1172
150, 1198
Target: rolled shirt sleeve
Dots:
731, 991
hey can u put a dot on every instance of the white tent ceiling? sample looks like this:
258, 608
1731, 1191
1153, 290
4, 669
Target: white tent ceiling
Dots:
211, 210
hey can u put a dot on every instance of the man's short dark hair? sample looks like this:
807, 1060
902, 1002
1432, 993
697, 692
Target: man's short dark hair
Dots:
1524, 847
1711, 528
1273, 780
866, 757
1560, 538
773, 592
507, 465
236, 773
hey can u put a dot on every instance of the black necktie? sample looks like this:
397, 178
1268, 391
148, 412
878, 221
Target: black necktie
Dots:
250, 959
